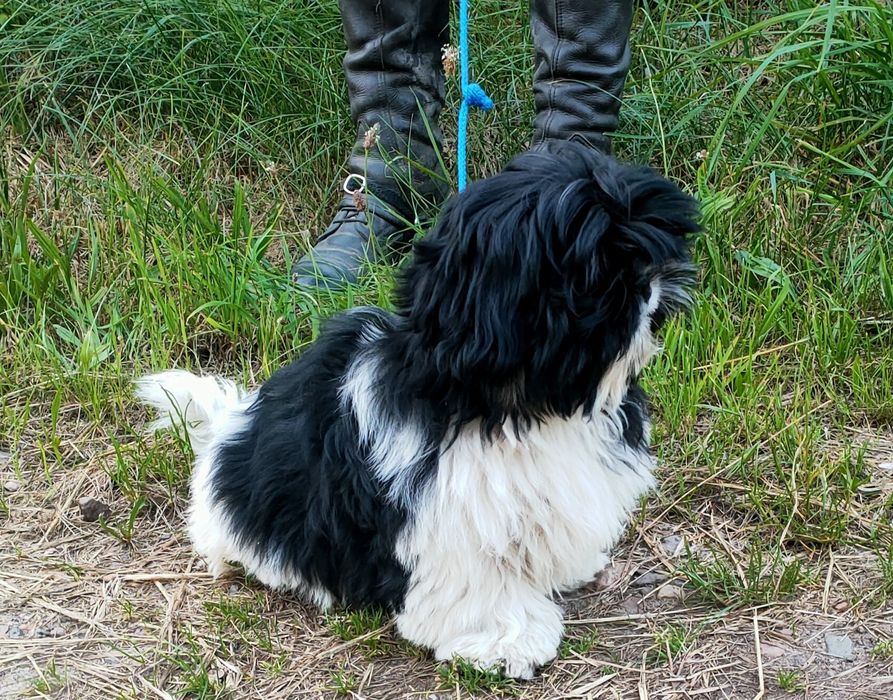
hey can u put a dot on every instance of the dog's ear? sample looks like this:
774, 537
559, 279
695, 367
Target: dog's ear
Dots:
462, 291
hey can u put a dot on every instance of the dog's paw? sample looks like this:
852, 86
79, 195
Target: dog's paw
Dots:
518, 658
522, 667
217, 566
512, 663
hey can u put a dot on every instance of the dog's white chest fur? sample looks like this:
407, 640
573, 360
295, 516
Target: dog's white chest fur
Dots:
505, 524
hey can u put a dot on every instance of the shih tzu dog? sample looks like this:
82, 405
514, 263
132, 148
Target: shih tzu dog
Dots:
476, 451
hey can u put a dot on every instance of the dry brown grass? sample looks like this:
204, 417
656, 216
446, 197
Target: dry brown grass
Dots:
87, 615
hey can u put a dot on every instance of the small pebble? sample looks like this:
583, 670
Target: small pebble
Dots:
839, 646
886, 466
606, 578
92, 510
630, 606
4, 456
670, 592
14, 632
57, 631
12, 486
652, 578
234, 589
672, 545
841, 605
772, 651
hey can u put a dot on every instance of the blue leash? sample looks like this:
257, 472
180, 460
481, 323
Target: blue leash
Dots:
473, 95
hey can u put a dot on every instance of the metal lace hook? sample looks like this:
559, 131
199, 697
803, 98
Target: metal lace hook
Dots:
353, 177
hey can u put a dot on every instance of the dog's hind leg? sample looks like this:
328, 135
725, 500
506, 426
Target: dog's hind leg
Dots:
207, 528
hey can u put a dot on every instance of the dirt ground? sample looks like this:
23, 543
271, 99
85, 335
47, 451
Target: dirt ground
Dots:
84, 614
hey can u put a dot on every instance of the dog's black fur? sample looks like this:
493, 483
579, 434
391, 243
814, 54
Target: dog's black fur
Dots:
297, 481
527, 289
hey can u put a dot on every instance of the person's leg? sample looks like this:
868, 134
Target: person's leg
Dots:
582, 58
396, 86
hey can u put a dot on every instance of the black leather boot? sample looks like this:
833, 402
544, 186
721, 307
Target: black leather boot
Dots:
395, 82
582, 58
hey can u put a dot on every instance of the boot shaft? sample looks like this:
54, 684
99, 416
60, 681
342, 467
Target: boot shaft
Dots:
393, 65
581, 62
395, 76
396, 86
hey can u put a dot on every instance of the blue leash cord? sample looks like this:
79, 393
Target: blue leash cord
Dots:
473, 95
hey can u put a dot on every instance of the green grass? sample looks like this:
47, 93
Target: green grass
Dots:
161, 159
581, 642
196, 678
366, 626
50, 681
789, 681
465, 676
240, 621
762, 576
344, 682
670, 642
883, 649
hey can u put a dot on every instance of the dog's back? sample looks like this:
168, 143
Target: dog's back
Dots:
281, 482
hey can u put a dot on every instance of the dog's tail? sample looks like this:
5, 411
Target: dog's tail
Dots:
185, 399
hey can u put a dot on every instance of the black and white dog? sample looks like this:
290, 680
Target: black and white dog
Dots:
461, 460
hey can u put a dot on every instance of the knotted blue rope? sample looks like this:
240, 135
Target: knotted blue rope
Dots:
473, 95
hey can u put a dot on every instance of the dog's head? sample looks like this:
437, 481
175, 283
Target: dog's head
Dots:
540, 288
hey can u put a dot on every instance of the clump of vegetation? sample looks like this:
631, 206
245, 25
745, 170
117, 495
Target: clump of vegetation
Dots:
462, 674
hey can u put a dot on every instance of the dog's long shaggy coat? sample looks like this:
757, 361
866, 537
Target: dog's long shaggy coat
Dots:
465, 457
